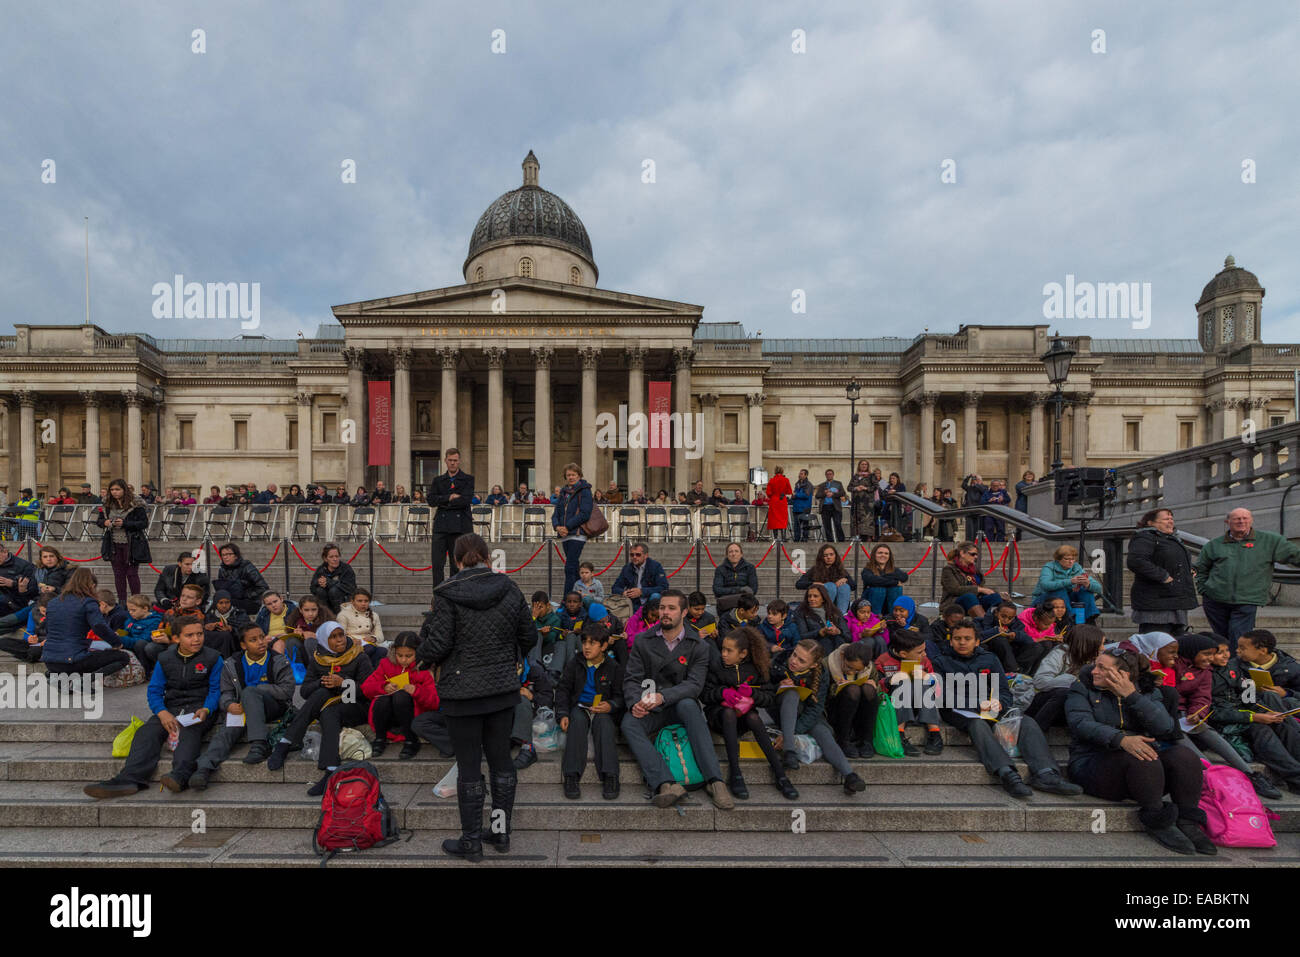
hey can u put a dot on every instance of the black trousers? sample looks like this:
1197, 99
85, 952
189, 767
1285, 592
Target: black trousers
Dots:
832, 530
733, 725
106, 662
20, 649
1117, 775
852, 713
1174, 631
444, 544
1032, 744
393, 711
475, 736
332, 721
1048, 708
148, 651
432, 726
1002, 648
223, 642
147, 745
601, 727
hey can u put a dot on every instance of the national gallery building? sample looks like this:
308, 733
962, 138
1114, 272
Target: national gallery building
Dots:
519, 364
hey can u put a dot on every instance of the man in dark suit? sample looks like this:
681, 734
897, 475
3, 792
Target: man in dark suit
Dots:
641, 577
664, 677
451, 493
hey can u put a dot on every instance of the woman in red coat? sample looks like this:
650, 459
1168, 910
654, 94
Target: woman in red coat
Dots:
778, 494
398, 693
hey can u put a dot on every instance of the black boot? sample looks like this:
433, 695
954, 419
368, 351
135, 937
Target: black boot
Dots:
1160, 823
503, 799
1191, 821
469, 796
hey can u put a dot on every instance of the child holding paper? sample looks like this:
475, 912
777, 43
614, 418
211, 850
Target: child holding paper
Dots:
802, 687
256, 688
1258, 729
854, 699
183, 695
589, 698
1194, 683
398, 692
905, 656
1259, 652
145, 635
737, 685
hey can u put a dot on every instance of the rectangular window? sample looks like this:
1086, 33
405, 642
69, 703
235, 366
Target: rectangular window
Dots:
823, 436
731, 428
293, 435
1185, 435
769, 436
329, 428
1276, 420
185, 433
1132, 436
241, 433
879, 436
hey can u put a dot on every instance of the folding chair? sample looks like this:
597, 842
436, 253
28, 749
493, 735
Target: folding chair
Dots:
535, 517
217, 525
738, 521
631, 523
482, 515
679, 516
656, 518
176, 520
306, 523
60, 518
363, 522
258, 521
710, 517
417, 522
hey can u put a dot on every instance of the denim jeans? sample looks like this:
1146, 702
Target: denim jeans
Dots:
1231, 621
1082, 598
882, 598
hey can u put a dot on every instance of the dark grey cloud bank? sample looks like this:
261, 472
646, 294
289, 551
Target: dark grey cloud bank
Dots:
774, 171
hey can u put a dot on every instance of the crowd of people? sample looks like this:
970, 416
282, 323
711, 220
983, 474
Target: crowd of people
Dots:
814, 679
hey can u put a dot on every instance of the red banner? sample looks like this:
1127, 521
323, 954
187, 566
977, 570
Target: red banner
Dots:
381, 423
661, 404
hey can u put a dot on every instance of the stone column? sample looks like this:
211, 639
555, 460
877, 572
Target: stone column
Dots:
401, 418
356, 451
708, 438
1079, 430
132, 439
926, 438
91, 399
636, 395
1037, 436
26, 441
590, 357
543, 419
448, 425
304, 439
682, 404
969, 446
755, 400
907, 419
496, 359
54, 451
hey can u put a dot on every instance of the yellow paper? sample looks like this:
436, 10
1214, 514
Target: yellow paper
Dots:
401, 679
595, 701
1262, 677
803, 692
909, 666
709, 630
750, 749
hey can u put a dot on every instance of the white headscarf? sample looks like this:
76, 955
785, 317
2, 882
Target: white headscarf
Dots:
1148, 644
323, 636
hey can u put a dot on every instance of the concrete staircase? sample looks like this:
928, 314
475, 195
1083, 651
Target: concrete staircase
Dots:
915, 812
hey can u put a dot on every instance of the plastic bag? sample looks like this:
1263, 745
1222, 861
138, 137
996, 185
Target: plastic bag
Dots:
887, 739
122, 743
1007, 731
311, 744
299, 668
806, 748
447, 786
547, 735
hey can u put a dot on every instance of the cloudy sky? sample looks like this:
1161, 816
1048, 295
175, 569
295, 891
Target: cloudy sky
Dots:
774, 170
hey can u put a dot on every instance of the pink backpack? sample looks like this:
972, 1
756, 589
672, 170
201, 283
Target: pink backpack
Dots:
1235, 816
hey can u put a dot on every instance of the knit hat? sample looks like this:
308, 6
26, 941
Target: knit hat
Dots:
220, 594
1192, 644
597, 611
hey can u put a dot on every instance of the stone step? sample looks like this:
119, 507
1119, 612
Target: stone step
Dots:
277, 847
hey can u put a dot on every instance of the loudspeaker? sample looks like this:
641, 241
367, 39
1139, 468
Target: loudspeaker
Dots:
1080, 485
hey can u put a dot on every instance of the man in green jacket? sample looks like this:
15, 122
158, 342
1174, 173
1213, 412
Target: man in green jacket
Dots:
1235, 571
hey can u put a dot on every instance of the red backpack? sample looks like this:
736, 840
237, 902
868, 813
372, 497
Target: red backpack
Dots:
353, 812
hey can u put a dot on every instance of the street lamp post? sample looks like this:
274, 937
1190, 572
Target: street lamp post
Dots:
1057, 362
158, 396
853, 391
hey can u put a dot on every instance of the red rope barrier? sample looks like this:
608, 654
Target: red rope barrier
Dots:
20, 549
928, 549
354, 554
272, 558
396, 562
848, 551
685, 560
793, 566
611, 562
707, 552
1015, 545
941, 551
151, 566
759, 563
310, 568
511, 571
1006, 549
40, 545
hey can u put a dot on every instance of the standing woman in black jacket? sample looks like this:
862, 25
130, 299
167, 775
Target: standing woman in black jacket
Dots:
480, 628
1163, 586
124, 520
334, 582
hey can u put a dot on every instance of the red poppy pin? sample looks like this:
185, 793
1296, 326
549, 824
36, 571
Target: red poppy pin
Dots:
1248, 545
984, 671
681, 660
1232, 674
199, 667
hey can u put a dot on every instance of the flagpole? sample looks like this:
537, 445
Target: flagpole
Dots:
87, 219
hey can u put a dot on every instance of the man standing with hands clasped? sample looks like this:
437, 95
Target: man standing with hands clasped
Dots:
664, 676
452, 493
1235, 571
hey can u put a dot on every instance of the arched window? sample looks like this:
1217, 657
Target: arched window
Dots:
478, 274
526, 268
575, 275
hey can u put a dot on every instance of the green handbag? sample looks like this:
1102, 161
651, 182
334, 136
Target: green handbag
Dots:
887, 740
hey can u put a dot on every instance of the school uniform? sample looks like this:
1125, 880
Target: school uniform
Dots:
807, 716
181, 684
783, 640
888, 666
263, 689
579, 684
740, 680
327, 704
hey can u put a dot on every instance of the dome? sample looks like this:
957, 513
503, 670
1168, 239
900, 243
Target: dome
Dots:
1232, 278
530, 214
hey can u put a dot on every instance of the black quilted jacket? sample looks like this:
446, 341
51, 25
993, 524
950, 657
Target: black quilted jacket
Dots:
481, 626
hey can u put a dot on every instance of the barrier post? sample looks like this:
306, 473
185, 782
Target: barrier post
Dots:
857, 561
370, 551
550, 576
780, 557
698, 549
934, 572
1113, 582
284, 544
